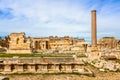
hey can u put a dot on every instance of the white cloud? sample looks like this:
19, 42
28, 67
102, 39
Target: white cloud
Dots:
59, 17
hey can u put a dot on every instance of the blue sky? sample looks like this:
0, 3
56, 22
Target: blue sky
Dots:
59, 17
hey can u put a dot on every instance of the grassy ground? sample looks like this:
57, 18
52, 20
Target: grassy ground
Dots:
37, 55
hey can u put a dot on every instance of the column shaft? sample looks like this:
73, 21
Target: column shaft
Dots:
94, 29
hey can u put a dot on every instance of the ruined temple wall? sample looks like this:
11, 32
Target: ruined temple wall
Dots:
107, 43
18, 43
19, 51
40, 43
56, 43
41, 65
59, 43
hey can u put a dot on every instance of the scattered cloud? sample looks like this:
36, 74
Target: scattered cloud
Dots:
58, 17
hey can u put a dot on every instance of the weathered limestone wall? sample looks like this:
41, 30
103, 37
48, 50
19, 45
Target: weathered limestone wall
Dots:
59, 44
18, 43
108, 43
19, 51
41, 65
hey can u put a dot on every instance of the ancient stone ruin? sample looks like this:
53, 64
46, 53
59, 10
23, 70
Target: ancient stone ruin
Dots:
19, 43
42, 65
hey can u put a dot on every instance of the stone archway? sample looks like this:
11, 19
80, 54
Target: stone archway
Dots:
37, 45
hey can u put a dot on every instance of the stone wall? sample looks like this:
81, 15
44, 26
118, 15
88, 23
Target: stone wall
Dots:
59, 44
108, 43
18, 43
42, 65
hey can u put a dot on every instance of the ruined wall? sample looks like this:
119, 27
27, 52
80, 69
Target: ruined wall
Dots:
40, 43
107, 43
42, 65
60, 44
18, 43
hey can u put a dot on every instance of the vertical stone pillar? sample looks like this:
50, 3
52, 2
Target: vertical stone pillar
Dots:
94, 29
7, 68
63, 67
44, 68
15, 68
94, 51
56, 67
75, 67
31, 67
68, 68
39, 68
20, 68
51, 68
44, 45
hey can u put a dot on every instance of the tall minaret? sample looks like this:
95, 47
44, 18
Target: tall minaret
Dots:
94, 28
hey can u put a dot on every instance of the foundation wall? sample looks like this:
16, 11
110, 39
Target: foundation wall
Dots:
19, 51
42, 68
40, 65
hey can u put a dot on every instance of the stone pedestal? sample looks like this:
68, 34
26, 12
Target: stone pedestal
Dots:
50, 68
44, 68
75, 68
68, 68
63, 68
95, 55
39, 68
56, 68
31, 68
7, 68
20, 68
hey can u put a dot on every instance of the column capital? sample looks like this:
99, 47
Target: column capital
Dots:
93, 11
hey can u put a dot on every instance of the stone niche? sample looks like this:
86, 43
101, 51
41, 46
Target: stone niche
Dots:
18, 43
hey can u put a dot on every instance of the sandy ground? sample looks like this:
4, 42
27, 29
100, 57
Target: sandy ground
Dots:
98, 76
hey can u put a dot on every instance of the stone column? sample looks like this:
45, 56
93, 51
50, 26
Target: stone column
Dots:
94, 31
75, 67
56, 68
68, 68
44, 68
7, 68
94, 50
31, 67
50, 68
39, 68
20, 68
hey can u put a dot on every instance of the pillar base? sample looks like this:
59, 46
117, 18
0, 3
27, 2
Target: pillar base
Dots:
95, 54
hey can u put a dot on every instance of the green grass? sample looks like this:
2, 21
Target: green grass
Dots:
59, 73
36, 55
29, 55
